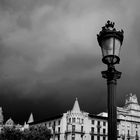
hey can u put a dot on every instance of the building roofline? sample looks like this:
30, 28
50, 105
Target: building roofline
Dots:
97, 117
47, 119
128, 120
106, 118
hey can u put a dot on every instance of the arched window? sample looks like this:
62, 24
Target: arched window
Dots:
78, 120
73, 120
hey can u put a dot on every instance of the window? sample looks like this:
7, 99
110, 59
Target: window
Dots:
59, 122
98, 123
128, 132
58, 137
73, 137
104, 131
136, 126
82, 120
137, 137
53, 127
78, 120
104, 123
58, 129
49, 124
73, 119
98, 137
92, 121
92, 129
69, 120
73, 128
92, 137
104, 138
98, 130
81, 128
54, 123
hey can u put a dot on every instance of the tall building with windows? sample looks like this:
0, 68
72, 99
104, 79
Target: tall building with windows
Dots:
79, 125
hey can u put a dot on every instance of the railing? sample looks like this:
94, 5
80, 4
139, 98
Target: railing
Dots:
97, 133
75, 131
128, 137
57, 133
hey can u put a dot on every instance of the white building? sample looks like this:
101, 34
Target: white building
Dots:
78, 125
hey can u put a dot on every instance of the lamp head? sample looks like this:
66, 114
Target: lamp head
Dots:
110, 41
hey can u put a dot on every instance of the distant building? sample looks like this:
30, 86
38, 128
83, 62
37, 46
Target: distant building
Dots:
9, 123
79, 125
129, 118
25, 126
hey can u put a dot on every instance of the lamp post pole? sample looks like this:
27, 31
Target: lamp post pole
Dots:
110, 41
111, 75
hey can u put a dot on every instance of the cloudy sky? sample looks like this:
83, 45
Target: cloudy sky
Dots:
49, 55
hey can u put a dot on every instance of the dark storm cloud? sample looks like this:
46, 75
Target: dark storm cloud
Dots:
49, 47
47, 39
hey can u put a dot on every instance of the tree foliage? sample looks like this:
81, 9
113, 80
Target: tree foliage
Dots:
37, 133
9, 133
33, 133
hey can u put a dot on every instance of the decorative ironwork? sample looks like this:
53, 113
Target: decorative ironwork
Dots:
111, 73
109, 31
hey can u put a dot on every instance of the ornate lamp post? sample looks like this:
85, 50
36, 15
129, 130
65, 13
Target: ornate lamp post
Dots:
110, 41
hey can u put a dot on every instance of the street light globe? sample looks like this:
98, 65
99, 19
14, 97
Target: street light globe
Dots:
110, 41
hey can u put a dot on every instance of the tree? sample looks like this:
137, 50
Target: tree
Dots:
37, 133
10, 133
33, 133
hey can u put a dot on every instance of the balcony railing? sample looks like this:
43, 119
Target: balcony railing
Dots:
97, 133
57, 132
75, 131
128, 137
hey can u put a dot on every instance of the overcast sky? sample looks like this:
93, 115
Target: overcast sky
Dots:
49, 55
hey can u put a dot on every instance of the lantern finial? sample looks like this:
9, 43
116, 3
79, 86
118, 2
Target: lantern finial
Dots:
109, 24
109, 31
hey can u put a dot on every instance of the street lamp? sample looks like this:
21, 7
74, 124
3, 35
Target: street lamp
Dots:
110, 41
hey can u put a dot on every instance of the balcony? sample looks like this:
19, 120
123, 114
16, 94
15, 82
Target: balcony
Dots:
98, 126
98, 134
128, 137
57, 132
75, 131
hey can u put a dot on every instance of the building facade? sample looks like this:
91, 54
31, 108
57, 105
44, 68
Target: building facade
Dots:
79, 125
